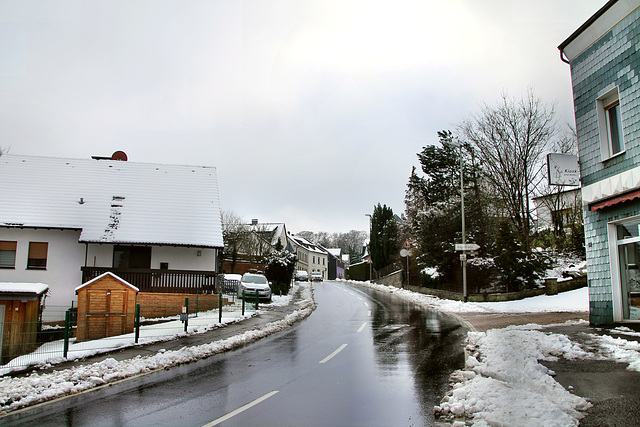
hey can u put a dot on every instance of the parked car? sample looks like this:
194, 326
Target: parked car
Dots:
316, 276
302, 276
252, 284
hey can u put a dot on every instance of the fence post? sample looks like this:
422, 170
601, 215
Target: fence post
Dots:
136, 322
67, 326
243, 303
197, 299
220, 307
186, 317
257, 299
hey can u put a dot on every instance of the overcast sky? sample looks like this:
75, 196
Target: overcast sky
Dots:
312, 110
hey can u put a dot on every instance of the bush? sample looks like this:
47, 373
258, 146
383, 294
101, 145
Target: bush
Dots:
279, 266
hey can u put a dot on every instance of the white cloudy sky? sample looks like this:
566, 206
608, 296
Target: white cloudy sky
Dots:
312, 111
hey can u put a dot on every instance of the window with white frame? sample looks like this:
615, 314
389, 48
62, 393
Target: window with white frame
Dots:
610, 124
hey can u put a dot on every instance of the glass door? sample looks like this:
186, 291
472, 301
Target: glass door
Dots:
629, 257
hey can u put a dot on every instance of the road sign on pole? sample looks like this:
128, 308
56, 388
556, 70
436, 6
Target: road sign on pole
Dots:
470, 247
407, 244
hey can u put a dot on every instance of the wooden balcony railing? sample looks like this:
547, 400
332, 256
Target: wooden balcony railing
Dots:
151, 280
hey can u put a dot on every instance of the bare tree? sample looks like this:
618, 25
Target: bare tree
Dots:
511, 140
235, 234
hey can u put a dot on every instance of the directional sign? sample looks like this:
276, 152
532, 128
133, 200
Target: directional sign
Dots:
467, 247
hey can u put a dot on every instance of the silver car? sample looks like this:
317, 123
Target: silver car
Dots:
252, 284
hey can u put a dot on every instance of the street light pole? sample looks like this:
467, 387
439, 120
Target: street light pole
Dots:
464, 234
463, 257
370, 260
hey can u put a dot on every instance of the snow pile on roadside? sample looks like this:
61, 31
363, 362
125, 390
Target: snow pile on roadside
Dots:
619, 349
16, 393
571, 301
504, 384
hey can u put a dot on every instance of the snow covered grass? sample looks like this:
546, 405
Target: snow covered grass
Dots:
16, 393
571, 301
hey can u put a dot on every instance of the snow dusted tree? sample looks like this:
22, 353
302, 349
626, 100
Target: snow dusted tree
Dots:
279, 266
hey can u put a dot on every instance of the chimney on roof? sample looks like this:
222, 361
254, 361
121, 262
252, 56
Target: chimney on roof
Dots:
118, 155
254, 221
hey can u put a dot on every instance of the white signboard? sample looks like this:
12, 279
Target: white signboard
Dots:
467, 247
563, 169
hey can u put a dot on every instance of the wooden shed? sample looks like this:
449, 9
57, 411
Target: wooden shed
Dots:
20, 309
106, 307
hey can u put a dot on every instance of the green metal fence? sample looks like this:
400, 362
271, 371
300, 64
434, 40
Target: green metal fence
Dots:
103, 332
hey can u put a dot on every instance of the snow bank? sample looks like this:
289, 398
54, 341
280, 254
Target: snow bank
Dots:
571, 301
504, 384
16, 393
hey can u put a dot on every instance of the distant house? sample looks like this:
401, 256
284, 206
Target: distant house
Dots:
556, 211
311, 257
335, 268
259, 240
66, 221
605, 72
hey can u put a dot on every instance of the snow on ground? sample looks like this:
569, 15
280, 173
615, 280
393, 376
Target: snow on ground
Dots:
19, 392
503, 382
577, 300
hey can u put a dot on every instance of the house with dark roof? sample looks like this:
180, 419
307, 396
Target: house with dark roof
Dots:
605, 72
66, 221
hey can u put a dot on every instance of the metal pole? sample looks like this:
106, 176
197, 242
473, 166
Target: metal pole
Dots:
137, 322
464, 235
243, 303
220, 307
67, 325
186, 316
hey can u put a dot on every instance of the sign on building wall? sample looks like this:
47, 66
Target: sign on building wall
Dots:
563, 169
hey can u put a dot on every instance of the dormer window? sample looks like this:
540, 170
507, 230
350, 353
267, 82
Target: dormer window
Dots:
610, 124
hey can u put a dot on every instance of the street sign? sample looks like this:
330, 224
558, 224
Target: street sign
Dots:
467, 247
405, 252
407, 244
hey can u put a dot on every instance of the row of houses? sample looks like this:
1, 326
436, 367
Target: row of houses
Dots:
64, 222
312, 257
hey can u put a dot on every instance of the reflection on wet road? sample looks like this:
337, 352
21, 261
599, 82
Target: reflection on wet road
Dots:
362, 358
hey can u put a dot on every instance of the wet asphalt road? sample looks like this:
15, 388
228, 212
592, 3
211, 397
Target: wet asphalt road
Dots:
361, 359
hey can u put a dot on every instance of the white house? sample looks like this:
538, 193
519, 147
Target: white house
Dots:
66, 221
311, 257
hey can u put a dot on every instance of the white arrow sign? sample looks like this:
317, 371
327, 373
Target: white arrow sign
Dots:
467, 247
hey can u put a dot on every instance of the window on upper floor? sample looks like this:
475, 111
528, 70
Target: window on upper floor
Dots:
610, 124
8, 254
37, 259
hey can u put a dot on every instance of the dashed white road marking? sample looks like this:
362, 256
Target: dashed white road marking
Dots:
332, 355
240, 410
369, 313
362, 327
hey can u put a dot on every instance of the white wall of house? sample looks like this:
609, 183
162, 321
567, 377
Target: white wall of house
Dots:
64, 258
178, 257
181, 258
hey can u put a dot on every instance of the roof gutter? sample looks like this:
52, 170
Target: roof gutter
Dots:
583, 27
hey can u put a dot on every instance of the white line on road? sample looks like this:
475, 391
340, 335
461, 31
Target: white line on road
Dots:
366, 303
332, 355
369, 314
362, 327
240, 410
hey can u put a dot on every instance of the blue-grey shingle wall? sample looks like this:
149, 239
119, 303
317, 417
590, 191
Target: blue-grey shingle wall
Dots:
611, 61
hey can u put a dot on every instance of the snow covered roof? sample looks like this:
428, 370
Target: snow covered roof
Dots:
113, 201
23, 288
108, 273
